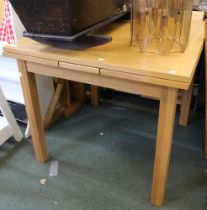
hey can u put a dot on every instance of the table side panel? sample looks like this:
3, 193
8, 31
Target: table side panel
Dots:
80, 68
43, 61
124, 85
145, 79
104, 72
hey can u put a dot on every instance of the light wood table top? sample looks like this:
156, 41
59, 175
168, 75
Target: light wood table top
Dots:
120, 59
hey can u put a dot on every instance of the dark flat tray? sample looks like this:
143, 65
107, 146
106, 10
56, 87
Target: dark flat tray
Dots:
81, 43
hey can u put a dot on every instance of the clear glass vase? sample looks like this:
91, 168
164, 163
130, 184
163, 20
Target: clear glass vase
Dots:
161, 26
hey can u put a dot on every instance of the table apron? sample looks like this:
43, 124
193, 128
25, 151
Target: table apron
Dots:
125, 85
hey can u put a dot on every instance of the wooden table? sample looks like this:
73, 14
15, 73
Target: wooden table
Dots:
118, 66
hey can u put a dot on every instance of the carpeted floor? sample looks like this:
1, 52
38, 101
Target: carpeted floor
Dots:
105, 157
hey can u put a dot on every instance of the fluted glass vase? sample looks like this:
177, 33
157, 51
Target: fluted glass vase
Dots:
161, 26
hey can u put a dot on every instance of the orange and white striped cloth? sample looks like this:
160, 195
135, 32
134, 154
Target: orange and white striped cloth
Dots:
6, 28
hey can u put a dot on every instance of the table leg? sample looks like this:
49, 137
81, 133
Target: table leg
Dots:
29, 85
95, 95
206, 101
206, 89
166, 120
185, 106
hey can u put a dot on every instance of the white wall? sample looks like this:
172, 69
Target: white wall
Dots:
18, 27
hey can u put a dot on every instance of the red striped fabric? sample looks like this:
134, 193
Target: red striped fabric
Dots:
6, 28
